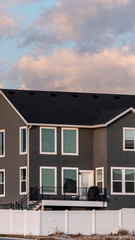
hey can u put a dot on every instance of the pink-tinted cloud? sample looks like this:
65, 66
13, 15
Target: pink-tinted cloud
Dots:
7, 22
91, 25
108, 71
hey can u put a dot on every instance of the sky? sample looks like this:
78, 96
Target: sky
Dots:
68, 45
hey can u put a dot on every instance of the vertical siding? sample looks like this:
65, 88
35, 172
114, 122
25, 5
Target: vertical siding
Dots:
100, 150
84, 161
10, 121
119, 158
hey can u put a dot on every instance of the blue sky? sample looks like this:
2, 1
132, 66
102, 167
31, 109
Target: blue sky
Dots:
68, 45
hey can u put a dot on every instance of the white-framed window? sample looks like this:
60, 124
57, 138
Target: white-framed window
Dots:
2, 182
48, 180
129, 139
23, 140
69, 141
2, 143
69, 181
23, 180
100, 179
48, 140
123, 181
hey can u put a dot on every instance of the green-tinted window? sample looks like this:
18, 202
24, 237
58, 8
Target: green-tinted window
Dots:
70, 141
69, 181
23, 140
1, 143
48, 180
129, 139
48, 140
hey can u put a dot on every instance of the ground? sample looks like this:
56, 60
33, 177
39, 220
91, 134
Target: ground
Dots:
61, 236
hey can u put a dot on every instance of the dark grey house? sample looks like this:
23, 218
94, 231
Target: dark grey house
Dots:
54, 146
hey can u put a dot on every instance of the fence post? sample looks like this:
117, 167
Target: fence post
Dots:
66, 222
25, 224
10, 217
39, 221
120, 219
93, 221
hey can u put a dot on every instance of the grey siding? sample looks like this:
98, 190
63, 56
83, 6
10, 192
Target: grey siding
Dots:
10, 121
116, 157
100, 150
84, 161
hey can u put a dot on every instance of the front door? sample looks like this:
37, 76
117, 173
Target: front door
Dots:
86, 181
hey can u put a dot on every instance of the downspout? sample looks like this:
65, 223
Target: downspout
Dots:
28, 159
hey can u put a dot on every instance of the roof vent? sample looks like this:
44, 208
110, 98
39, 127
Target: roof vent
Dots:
74, 95
95, 96
53, 94
31, 93
11, 92
116, 97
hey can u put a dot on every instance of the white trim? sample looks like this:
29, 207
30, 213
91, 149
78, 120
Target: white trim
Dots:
126, 149
13, 107
55, 172
77, 142
3, 130
62, 180
22, 193
20, 139
100, 168
66, 125
55, 141
123, 181
3, 195
120, 115
68, 203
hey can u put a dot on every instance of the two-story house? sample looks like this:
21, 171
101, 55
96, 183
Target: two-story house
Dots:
57, 145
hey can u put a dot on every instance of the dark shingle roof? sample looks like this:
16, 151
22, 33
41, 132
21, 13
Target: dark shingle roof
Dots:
46, 107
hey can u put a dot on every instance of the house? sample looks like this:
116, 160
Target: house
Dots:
54, 146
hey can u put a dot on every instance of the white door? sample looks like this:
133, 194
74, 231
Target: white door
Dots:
86, 181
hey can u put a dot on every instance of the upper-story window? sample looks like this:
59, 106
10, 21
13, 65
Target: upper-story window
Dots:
69, 141
122, 180
129, 139
2, 143
48, 140
23, 140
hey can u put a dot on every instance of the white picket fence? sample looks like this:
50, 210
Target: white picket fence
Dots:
69, 222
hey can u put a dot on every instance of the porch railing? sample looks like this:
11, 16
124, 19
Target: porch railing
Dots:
59, 193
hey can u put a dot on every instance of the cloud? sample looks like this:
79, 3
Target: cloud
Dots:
7, 22
91, 25
108, 71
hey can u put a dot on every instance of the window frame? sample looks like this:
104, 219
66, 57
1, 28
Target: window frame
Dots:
128, 149
100, 168
3, 155
3, 195
55, 141
20, 140
22, 193
62, 180
55, 178
77, 142
123, 181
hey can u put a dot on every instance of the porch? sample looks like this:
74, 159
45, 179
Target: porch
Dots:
61, 198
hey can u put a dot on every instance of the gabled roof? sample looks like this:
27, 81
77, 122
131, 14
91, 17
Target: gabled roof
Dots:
68, 108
